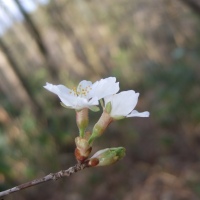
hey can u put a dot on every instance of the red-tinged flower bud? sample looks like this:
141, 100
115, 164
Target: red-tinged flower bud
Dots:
83, 149
92, 162
106, 156
80, 156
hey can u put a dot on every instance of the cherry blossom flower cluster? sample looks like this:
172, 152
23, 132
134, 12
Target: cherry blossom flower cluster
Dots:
87, 96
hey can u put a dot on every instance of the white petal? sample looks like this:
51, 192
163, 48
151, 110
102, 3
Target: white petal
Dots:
135, 113
84, 85
66, 95
94, 101
104, 87
81, 103
122, 103
68, 100
99, 152
58, 89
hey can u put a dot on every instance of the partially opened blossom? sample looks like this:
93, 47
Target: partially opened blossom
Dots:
107, 156
123, 104
117, 106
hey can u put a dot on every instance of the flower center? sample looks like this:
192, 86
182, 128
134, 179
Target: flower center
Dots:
80, 91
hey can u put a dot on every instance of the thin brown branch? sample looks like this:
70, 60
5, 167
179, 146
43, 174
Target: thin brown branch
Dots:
52, 176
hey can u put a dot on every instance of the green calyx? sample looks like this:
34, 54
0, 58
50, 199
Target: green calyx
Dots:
94, 108
108, 107
97, 130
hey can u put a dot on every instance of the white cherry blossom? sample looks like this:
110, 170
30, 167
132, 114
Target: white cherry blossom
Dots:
86, 95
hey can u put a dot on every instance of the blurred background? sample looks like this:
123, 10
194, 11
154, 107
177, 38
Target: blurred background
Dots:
151, 46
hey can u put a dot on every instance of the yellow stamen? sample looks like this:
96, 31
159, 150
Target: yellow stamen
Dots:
80, 91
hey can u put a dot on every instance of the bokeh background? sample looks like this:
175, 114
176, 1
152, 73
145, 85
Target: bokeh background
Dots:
151, 46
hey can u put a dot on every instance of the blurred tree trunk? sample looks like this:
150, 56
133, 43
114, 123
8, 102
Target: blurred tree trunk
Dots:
193, 4
102, 51
38, 39
15, 68
67, 29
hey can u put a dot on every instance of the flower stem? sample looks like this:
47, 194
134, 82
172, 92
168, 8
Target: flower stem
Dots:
82, 121
81, 133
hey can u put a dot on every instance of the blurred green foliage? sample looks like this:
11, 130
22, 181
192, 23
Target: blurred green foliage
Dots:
176, 93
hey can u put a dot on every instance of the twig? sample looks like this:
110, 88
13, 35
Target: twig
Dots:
52, 176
